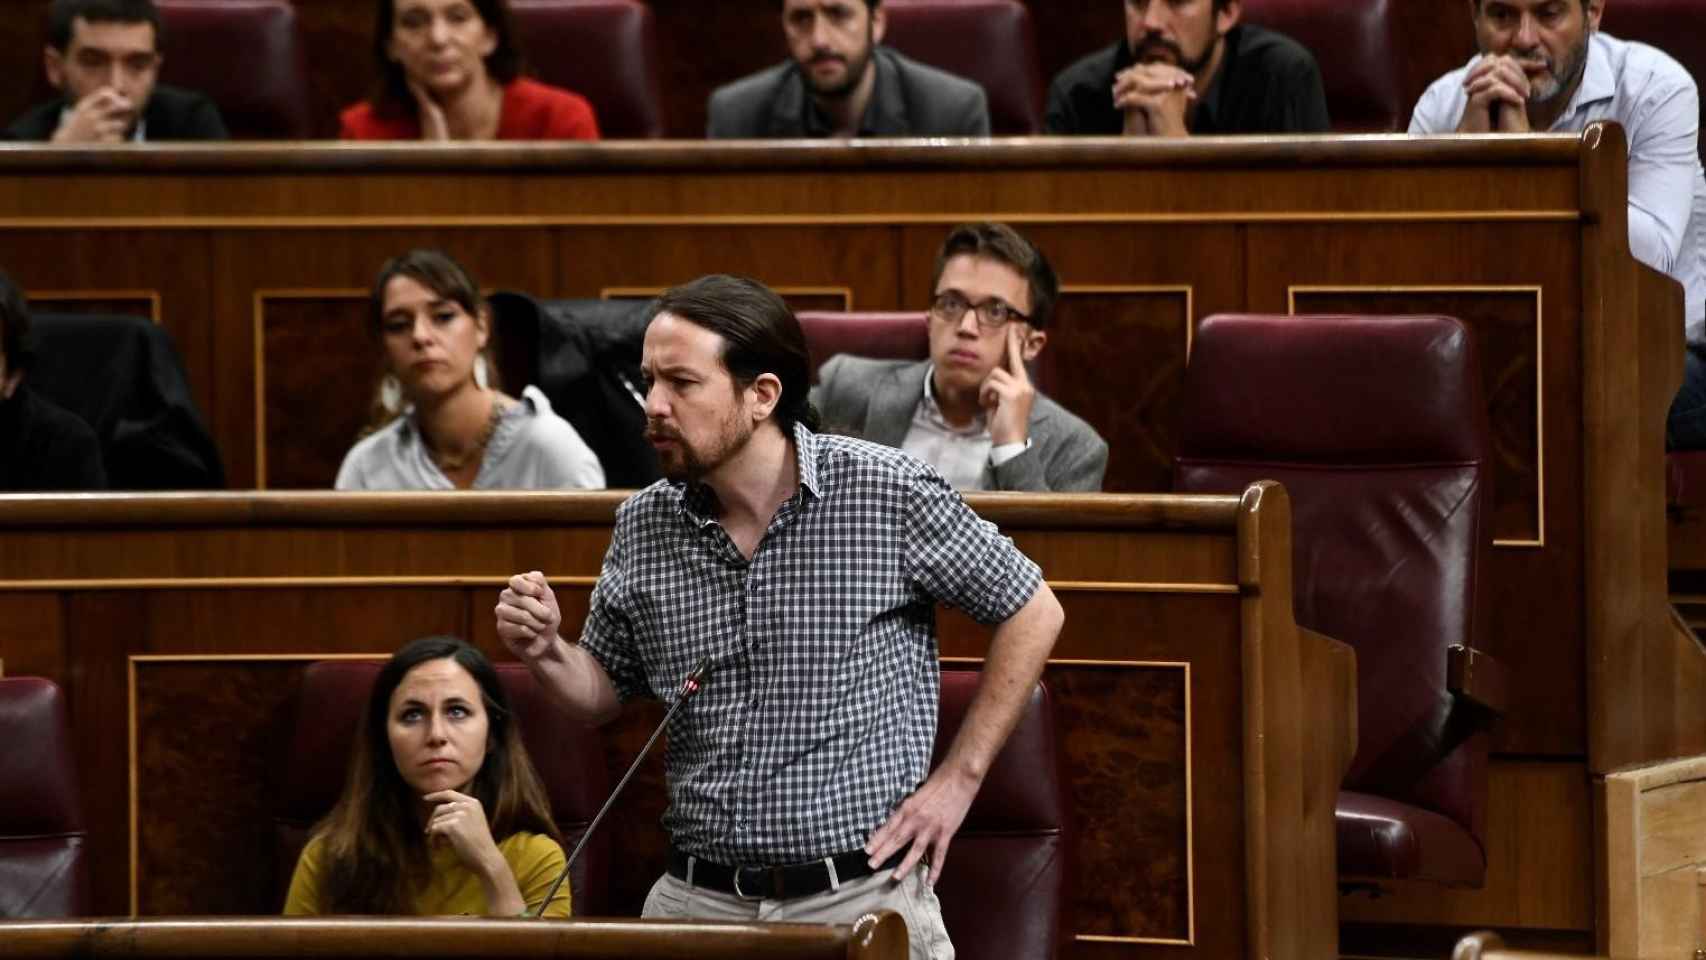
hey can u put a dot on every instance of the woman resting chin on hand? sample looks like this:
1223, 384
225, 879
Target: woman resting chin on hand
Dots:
442, 812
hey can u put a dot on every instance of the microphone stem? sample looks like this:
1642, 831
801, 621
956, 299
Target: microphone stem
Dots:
587, 834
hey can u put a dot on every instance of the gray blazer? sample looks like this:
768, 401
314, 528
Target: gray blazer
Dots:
910, 100
876, 399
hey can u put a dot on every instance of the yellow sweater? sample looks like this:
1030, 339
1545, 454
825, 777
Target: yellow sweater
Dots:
536, 860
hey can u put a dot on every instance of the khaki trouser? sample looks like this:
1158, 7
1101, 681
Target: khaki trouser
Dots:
912, 898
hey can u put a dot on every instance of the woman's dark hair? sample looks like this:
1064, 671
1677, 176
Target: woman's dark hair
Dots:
760, 335
440, 273
504, 63
375, 849
15, 339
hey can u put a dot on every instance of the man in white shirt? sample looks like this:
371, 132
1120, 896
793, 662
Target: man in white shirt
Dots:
1544, 66
971, 410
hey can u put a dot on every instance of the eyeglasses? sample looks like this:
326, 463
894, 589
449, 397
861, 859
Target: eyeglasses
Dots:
992, 314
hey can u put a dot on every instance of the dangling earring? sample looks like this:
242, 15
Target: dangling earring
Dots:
391, 393
481, 375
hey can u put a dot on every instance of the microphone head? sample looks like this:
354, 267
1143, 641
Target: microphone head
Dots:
695, 678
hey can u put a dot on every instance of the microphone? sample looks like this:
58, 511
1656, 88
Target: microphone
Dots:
690, 685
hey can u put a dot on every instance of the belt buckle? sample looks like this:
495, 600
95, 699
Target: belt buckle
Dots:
739, 892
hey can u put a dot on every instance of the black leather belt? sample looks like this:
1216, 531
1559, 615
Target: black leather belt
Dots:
777, 883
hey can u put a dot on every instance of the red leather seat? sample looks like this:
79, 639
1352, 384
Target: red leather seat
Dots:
1685, 478
569, 758
1671, 25
246, 55
1004, 884
43, 858
884, 336
604, 50
1355, 47
989, 41
1377, 429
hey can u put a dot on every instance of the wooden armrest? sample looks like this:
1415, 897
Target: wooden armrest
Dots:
1341, 693
1477, 677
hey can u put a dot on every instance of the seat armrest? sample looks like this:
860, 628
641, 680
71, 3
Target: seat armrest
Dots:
1476, 677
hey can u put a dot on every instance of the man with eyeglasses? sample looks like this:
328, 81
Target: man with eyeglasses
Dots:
104, 58
971, 410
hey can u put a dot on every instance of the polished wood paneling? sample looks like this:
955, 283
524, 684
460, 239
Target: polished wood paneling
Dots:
1539, 859
1651, 824
876, 936
131, 303
311, 398
32, 636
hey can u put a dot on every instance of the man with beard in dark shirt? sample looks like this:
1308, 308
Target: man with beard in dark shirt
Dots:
1189, 67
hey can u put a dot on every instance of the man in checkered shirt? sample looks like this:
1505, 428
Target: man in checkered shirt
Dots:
808, 567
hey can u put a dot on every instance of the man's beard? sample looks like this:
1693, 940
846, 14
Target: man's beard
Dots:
1575, 63
1154, 43
851, 77
684, 463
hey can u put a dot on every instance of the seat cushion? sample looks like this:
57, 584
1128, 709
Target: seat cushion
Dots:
990, 42
604, 50
1387, 840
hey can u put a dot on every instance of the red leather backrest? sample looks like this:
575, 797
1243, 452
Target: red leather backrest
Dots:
1005, 880
43, 863
247, 56
989, 41
1377, 429
604, 50
1673, 26
884, 336
1357, 52
569, 758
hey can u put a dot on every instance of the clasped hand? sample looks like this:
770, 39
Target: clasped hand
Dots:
1156, 98
1498, 90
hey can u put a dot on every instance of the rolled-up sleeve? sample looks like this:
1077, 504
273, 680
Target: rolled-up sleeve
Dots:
1664, 141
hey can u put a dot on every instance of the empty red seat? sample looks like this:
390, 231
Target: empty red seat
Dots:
877, 334
43, 846
604, 50
1003, 886
1377, 429
989, 41
1356, 49
244, 54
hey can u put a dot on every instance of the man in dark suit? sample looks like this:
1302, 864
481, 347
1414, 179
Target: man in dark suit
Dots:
103, 56
971, 410
839, 82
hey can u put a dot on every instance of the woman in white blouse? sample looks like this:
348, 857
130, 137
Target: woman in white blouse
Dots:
440, 422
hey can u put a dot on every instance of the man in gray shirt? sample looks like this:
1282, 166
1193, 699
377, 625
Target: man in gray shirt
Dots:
838, 82
1544, 66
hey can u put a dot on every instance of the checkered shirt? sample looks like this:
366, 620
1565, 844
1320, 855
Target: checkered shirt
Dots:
819, 716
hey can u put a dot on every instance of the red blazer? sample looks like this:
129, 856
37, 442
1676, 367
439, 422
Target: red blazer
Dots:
531, 111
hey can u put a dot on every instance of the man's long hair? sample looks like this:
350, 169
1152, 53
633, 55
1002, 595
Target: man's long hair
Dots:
760, 335
373, 842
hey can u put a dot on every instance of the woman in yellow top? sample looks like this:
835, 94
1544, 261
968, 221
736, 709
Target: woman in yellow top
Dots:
442, 812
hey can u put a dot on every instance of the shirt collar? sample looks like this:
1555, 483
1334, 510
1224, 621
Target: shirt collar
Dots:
699, 501
1598, 83
934, 411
